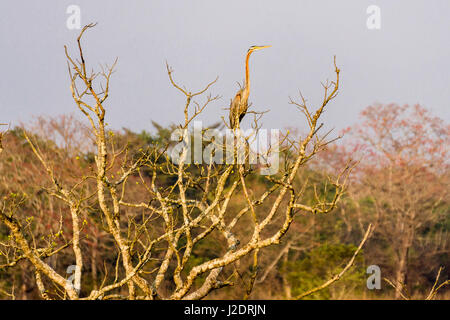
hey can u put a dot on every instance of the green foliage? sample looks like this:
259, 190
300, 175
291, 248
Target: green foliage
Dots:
318, 265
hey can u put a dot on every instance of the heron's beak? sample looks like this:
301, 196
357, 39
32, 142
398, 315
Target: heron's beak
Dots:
260, 47
255, 48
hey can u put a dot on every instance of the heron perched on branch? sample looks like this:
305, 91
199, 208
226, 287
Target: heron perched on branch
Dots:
239, 104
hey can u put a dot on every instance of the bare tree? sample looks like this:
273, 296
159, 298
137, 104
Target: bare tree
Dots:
155, 229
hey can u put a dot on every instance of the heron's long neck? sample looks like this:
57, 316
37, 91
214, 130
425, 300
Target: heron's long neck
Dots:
247, 76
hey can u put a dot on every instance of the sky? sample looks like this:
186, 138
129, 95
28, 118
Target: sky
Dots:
405, 61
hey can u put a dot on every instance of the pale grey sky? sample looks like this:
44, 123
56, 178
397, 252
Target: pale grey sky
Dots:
406, 61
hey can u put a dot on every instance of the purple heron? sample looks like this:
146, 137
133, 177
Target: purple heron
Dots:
239, 104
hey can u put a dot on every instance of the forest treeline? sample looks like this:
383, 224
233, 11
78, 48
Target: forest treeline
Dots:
400, 185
